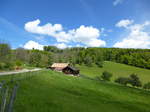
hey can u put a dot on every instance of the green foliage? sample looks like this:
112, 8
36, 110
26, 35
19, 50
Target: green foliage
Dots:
35, 58
122, 80
99, 64
99, 60
106, 76
18, 63
51, 49
117, 69
147, 85
87, 56
2, 66
88, 61
9, 66
134, 80
5, 53
4, 50
21, 55
40, 58
5, 57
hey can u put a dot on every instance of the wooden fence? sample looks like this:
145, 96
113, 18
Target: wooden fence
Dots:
8, 90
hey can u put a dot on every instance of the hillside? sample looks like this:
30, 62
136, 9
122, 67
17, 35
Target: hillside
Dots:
117, 69
51, 91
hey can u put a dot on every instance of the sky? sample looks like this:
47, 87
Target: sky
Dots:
75, 23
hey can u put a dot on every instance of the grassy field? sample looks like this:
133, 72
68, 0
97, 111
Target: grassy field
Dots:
50, 91
117, 70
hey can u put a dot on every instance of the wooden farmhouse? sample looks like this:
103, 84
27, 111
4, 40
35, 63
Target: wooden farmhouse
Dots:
65, 68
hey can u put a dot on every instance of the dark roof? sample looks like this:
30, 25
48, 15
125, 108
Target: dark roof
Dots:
73, 68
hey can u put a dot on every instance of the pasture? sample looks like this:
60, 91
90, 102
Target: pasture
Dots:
117, 69
50, 91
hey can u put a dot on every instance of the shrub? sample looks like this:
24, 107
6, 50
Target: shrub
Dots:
122, 80
147, 85
6, 66
88, 61
18, 63
9, 66
2, 66
99, 64
106, 76
134, 80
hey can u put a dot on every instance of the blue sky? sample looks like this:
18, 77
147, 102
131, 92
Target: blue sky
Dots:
73, 23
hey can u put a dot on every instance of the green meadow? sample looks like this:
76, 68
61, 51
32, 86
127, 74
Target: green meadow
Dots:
50, 91
117, 70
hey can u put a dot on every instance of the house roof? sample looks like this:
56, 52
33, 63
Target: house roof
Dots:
73, 68
60, 65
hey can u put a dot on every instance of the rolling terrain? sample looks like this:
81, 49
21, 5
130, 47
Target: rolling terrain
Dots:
50, 91
117, 70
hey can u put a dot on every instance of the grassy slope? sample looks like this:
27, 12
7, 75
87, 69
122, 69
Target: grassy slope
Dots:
117, 70
54, 92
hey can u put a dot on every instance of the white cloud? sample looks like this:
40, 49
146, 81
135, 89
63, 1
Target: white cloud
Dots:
32, 44
47, 29
61, 46
137, 37
63, 37
116, 2
124, 23
86, 35
96, 43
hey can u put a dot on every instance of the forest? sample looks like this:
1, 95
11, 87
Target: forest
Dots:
20, 57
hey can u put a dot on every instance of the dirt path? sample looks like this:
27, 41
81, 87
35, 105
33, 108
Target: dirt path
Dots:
19, 71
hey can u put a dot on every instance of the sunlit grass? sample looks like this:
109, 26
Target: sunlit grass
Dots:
50, 91
117, 69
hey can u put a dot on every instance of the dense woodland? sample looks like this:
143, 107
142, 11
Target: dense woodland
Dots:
10, 58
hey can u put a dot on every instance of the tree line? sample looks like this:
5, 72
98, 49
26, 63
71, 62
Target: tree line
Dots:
89, 56
15, 59
10, 58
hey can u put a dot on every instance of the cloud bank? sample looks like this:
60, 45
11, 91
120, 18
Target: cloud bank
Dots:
137, 37
124, 23
33, 45
61, 45
86, 35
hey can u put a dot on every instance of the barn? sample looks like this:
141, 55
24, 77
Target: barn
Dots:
65, 68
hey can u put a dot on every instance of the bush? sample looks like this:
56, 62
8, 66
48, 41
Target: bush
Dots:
9, 66
99, 64
18, 63
88, 61
134, 80
106, 76
2, 66
122, 80
147, 85
6, 66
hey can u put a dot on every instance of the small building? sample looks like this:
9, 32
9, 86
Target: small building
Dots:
65, 68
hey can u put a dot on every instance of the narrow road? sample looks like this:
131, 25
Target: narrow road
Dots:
19, 71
